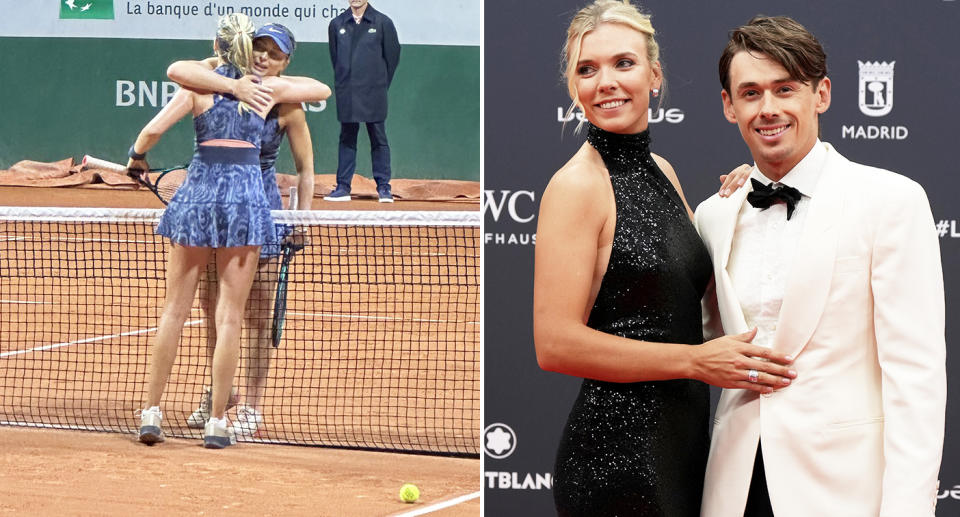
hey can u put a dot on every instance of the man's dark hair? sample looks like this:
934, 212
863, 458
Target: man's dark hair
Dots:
783, 40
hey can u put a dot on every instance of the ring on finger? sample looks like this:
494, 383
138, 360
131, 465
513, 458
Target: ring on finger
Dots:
753, 375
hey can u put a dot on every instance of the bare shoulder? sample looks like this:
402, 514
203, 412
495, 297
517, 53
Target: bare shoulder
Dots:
665, 167
579, 192
584, 176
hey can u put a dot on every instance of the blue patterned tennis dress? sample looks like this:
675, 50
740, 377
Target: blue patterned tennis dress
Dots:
222, 203
270, 140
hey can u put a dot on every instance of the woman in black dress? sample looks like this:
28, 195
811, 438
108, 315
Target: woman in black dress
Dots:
620, 273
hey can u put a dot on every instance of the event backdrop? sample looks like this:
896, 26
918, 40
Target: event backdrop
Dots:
526, 142
84, 80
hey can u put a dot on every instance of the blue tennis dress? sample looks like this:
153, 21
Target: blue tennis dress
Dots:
270, 140
222, 203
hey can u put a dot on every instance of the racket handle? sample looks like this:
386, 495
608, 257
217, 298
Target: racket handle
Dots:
89, 162
293, 199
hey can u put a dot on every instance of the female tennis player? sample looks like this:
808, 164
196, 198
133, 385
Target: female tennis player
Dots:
619, 275
222, 205
273, 47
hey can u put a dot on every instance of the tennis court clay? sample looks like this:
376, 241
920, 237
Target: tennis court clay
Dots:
53, 472
380, 353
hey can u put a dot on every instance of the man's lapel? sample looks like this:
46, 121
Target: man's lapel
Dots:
808, 283
726, 222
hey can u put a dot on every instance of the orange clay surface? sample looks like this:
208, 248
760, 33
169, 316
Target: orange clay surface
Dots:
77, 473
119, 198
67, 473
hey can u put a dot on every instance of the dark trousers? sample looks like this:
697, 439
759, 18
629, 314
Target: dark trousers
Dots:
379, 153
758, 499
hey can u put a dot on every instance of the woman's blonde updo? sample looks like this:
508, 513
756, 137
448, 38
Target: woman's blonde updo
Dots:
588, 19
235, 41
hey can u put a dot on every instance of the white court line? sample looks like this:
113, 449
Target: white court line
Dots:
26, 303
378, 318
72, 427
88, 340
439, 506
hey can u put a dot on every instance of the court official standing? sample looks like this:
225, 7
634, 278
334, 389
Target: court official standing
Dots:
365, 51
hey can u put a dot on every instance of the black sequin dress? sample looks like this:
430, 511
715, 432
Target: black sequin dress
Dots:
640, 449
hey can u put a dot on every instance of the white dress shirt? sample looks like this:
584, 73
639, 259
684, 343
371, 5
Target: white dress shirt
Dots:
764, 243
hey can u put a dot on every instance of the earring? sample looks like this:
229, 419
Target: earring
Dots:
655, 92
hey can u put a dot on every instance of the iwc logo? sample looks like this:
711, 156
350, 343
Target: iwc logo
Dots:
520, 206
499, 441
876, 88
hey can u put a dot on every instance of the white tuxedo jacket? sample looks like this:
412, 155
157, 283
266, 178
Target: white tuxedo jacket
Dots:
859, 433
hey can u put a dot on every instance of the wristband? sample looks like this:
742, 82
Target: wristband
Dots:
134, 154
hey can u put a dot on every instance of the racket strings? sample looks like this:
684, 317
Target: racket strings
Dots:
167, 181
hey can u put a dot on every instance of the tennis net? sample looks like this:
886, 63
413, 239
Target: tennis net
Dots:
379, 349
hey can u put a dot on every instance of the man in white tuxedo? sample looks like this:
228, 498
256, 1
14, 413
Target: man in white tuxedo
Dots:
838, 266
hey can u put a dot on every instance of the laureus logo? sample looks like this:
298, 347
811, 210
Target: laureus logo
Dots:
876, 88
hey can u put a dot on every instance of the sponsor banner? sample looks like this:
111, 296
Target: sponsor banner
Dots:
419, 22
433, 124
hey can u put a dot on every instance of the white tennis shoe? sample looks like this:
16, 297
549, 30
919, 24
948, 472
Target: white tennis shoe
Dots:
199, 417
248, 422
151, 425
218, 433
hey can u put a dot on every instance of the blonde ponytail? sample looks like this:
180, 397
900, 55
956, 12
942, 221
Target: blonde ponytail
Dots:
235, 44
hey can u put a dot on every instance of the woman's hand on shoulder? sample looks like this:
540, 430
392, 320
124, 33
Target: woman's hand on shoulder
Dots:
734, 179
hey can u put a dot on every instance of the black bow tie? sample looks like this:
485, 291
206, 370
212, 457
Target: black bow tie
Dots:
763, 196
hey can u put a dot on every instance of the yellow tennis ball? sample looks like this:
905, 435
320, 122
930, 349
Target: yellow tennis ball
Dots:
409, 493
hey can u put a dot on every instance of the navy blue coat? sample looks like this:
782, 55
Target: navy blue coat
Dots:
364, 57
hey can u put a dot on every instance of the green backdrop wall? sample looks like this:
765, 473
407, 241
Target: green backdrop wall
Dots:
74, 96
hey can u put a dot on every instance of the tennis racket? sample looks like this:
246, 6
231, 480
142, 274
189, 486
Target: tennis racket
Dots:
289, 249
164, 185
